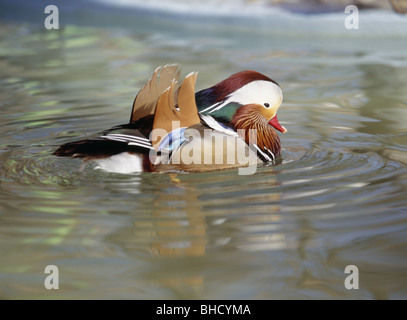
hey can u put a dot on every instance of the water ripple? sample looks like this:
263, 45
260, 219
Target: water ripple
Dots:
338, 197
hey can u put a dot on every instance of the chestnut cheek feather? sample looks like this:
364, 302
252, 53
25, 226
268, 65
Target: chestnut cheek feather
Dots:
252, 117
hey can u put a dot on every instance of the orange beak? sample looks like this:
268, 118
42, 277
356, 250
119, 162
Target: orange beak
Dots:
275, 124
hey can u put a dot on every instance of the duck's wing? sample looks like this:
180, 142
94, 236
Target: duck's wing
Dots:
176, 108
120, 139
146, 100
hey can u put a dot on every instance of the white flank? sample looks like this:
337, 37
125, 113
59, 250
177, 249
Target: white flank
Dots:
121, 163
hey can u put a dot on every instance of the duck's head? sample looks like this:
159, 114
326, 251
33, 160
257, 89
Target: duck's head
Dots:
244, 96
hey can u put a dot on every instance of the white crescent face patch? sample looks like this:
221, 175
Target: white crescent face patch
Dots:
255, 92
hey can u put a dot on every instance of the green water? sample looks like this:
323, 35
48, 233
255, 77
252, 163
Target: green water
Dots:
288, 231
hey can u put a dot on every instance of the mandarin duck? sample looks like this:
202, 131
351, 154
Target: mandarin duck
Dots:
173, 128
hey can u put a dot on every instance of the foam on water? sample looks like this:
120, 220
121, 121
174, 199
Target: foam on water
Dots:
371, 22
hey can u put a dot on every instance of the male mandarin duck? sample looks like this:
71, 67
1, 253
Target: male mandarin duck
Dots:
172, 128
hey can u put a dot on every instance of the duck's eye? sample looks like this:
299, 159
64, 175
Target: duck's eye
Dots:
267, 105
